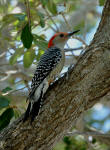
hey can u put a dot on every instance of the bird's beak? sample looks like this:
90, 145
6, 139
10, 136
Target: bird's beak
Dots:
71, 33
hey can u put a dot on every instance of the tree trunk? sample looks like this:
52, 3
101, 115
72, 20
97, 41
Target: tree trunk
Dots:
87, 83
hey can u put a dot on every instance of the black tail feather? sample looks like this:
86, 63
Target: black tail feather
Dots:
36, 106
27, 113
33, 109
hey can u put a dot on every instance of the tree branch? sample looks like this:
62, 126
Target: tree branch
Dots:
101, 137
92, 133
66, 99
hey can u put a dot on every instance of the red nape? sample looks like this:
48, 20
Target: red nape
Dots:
50, 43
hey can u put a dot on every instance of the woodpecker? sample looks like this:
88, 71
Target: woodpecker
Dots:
49, 66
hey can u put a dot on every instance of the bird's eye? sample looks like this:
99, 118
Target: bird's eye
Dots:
61, 35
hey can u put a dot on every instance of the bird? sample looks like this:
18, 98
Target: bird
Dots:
48, 68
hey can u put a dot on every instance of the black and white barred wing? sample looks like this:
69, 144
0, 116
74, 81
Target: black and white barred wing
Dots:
48, 61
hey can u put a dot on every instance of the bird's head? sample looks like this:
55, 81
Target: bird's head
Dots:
59, 39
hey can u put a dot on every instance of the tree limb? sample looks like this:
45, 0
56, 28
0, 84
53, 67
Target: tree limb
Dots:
66, 99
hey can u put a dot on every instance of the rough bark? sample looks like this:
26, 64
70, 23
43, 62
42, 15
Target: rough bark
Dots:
88, 82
